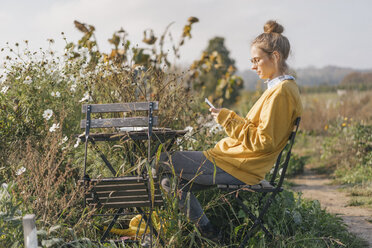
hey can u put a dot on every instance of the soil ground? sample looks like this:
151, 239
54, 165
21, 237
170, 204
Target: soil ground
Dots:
318, 187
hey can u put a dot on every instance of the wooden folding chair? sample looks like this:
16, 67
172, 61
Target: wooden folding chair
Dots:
268, 190
132, 192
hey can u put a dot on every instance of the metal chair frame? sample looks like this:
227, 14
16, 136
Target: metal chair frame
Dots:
269, 192
90, 184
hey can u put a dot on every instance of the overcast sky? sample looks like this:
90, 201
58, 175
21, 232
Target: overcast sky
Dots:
321, 32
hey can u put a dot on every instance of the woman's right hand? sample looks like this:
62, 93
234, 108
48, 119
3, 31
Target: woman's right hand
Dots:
214, 112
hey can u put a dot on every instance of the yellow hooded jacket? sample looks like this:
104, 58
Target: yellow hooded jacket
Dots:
254, 142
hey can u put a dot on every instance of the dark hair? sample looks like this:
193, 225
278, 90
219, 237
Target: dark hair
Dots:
272, 40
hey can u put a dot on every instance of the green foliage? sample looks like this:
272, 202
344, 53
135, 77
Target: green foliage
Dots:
348, 149
214, 74
294, 222
296, 165
348, 144
11, 230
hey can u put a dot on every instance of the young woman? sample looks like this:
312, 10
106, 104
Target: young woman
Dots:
253, 143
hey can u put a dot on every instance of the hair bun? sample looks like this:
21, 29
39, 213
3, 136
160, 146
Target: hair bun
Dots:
273, 27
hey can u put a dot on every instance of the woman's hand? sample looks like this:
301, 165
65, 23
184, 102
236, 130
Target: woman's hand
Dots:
215, 112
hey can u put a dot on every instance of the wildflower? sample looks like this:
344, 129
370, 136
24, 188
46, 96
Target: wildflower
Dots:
215, 129
77, 143
325, 127
27, 80
20, 171
86, 97
343, 124
73, 87
188, 129
56, 94
64, 140
179, 141
4, 89
4, 185
54, 127
47, 114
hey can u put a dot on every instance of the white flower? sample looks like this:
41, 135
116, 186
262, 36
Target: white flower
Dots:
84, 51
64, 140
73, 87
4, 185
54, 127
47, 114
4, 89
188, 129
77, 143
56, 94
86, 97
215, 129
179, 141
27, 80
20, 171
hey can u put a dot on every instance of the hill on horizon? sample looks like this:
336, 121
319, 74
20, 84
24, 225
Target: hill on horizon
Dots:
308, 76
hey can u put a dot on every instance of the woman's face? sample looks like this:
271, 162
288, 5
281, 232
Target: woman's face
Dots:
265, 65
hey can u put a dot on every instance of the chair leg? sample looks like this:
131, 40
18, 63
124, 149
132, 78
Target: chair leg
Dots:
151, 226
111, 225
257, 221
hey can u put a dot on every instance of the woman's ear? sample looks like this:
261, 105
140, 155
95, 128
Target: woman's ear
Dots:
276, 56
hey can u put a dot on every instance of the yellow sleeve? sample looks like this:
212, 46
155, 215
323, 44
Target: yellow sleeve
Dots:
232, 122
274, 123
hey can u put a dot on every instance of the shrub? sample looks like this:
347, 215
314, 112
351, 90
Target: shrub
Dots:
296, 165
11, 233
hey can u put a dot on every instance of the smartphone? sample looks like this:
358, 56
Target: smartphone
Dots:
209, 103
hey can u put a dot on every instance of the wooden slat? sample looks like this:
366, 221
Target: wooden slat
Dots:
124, 199
121, 187
118, 187
119, 107
114, 180
129, 205
120, 122
123, 193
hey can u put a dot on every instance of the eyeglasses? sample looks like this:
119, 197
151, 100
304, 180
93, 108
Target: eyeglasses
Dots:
257, 60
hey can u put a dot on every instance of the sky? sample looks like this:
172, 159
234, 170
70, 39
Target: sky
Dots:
321, 32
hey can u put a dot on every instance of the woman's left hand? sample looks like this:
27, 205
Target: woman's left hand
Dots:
215, 112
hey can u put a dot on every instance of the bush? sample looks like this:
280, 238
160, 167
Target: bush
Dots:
348, 147
295, 222
11, 230
296, 165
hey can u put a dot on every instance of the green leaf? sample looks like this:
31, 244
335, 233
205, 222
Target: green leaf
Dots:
297, 218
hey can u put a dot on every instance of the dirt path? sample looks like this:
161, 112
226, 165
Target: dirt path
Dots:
317, 187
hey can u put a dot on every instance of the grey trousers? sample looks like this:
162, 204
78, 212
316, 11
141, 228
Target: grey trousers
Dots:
196, 173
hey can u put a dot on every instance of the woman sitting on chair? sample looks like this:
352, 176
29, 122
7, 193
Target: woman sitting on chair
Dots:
253, 143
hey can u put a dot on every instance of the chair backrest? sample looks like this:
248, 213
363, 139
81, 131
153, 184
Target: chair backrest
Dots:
89, 109
283, 165
146, 121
